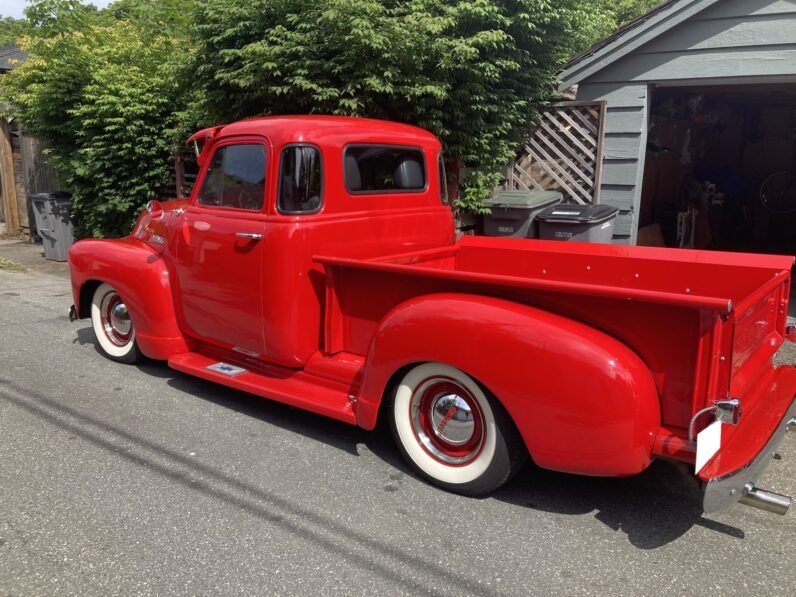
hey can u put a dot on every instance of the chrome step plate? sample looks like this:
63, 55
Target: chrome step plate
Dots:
226, 369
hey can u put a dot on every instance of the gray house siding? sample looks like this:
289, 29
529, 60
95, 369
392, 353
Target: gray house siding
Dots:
625, 142
729, 42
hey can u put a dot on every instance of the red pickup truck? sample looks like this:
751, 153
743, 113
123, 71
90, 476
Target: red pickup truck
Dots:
316, 264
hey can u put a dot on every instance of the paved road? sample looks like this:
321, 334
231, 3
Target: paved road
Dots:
140, 480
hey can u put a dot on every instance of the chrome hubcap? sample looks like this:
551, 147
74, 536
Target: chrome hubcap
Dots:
452, 419
447, 421
116, 319
120, 319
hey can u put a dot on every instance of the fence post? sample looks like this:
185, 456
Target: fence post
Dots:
7, 179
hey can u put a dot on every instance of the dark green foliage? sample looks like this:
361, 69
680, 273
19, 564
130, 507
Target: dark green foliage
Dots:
101, 90
113, 92
11, 30
627, 10
475, 72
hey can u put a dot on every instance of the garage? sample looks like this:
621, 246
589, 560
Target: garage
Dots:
719, 169
700, 126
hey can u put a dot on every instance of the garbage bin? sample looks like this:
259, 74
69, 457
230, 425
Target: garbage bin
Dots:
513, 212
53, 223
584, 223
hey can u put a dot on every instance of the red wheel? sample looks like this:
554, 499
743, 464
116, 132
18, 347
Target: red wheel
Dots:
452, 432
447, 421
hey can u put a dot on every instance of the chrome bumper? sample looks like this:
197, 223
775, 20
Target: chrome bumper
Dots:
722, 492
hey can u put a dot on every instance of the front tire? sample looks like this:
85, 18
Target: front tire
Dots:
112, 325
453, 432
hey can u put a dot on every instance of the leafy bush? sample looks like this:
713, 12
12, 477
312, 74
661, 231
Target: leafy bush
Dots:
113, 92
101, 91
475, 72
11, 30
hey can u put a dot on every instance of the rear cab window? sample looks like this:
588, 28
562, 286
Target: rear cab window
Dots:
384, 169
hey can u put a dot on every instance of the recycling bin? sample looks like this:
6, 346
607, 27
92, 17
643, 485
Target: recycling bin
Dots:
513, 212
53, 223
583, 223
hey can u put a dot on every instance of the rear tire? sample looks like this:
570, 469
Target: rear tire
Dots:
113, 327
453, 432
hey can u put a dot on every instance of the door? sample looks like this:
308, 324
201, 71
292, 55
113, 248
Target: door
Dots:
219, 252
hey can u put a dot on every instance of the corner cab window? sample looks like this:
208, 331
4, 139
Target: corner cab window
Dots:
300, 182
235, 178
380, 168
443, 180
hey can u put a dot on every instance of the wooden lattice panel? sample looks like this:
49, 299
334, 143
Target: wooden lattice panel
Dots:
564, 153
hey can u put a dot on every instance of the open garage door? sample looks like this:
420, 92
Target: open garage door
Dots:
720, 169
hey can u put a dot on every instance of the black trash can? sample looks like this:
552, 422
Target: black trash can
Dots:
583, 223
513, 212
53, 223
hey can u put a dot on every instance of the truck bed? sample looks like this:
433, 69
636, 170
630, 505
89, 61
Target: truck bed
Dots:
706, 323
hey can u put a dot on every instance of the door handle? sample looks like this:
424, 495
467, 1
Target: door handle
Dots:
249, 235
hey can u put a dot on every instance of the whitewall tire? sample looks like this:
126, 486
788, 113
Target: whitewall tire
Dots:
453, 432
112, 325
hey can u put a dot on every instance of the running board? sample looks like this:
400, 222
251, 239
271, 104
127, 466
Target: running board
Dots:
296, 389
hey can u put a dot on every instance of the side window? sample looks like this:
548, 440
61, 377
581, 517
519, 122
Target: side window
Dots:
443, 180
380, 168
300, 180
235, 178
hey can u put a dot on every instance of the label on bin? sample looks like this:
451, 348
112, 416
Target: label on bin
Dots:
564, 213
507, 229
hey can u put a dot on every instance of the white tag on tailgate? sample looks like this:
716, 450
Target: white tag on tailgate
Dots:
707, 444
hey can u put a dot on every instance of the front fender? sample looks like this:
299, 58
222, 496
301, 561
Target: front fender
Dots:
582, 400
141, 277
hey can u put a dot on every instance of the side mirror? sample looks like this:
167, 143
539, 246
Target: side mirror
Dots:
155, 209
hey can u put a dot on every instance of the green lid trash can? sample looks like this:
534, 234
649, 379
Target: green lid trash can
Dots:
582, 223
513, 212
53, 223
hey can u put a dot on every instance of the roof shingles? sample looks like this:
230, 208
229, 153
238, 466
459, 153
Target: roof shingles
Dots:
10, 57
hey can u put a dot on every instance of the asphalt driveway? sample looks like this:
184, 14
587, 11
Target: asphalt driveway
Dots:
140, 480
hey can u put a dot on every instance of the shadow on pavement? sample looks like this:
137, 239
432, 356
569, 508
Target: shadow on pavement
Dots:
652, 509
316, 427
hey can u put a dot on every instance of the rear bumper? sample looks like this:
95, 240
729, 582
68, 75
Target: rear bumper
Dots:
742, 460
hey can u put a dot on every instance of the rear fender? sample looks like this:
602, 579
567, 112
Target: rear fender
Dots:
583, 401
141, 277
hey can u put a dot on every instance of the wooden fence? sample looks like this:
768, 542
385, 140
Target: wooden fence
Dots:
23, 171
563, 153
40, 177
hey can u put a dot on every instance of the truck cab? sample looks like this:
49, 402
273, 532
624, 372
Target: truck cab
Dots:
315, 263
274, 192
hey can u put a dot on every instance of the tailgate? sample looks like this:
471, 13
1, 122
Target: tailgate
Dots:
766, 394
747, 449
758, 324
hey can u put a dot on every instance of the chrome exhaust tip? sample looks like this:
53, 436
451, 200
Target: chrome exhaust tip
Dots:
765, 500
792, 425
